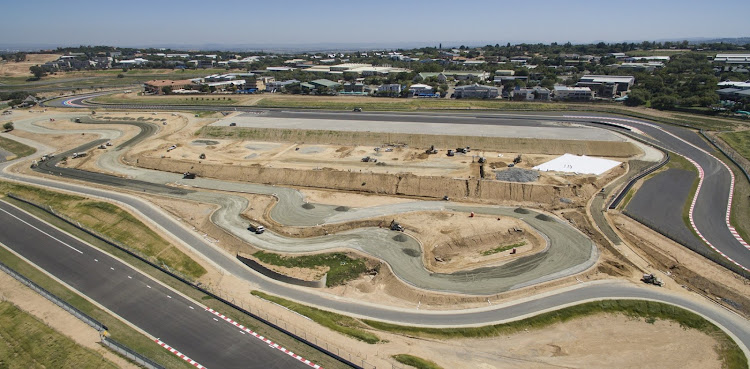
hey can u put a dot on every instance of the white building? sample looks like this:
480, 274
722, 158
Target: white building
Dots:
419, 89
732, 58
573, 93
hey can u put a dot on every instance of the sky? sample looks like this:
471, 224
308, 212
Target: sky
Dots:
310, 22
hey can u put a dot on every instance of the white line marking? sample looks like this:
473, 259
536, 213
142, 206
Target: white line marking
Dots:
216, 319
169, 296
191, 307
129, 277
43, 232
111, 268
148, 286
96, 260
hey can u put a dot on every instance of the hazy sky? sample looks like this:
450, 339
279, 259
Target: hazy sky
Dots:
282, 22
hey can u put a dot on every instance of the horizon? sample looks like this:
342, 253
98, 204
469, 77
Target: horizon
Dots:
339, 24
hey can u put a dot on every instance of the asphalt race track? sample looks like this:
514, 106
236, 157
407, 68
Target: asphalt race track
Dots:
157, 310
659, 199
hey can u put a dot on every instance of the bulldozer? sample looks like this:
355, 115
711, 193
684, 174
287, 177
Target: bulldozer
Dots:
652, 279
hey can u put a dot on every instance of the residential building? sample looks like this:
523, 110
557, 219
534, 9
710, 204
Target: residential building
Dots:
647, 66
530, 94
419, 89
156, 86
476, 91
573, 93
201, 63
458, 75
393, 89
505, 72
355, 88
277, 86
606, 86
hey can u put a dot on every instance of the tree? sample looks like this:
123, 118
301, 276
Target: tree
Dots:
636, 98
120, 75
8, 126
37, 71
664, 102
166, 90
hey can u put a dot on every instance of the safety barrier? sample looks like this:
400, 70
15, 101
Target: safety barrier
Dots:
621, 195
129, 353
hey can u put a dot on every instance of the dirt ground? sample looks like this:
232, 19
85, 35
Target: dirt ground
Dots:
603, 341
21, 69
349, 199
55, 317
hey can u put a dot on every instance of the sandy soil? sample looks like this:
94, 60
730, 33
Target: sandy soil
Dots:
352, 200
601, 341
21, 69
55, 317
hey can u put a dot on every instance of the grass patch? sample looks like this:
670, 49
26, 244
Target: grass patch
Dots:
26, 342
502, 248
114, 223
337, 322
729, 352
739, 141
18, 149
416, 362
342, 268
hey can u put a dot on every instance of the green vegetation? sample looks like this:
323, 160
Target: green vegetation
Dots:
337, 322
730, 353
384, 104
26, 342
341, 268
502, 248
116, 328
740, 142
18, 149
114, 223
416, 362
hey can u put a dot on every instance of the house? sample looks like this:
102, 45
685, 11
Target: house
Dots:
732, 58
419, 89
502, 80
355, 88
530, 94
156, 86
606, 86
476, 91
393, 89
276, 86
201, 63
458, 75
573, 93
505, 72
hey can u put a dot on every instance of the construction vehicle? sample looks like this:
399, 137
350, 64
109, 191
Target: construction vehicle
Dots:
432, 150
202, 156
652, 279
188, 175
357, 110
482, 160
109, 143
450, 153
171, 148
233, 124
517, 159
79, 155
256, 229
461, 150
396, 227
78, 120
102, 146
368, 159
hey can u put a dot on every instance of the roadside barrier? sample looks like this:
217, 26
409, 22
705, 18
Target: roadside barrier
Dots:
624, 191
301, 336
129, 354
730, 153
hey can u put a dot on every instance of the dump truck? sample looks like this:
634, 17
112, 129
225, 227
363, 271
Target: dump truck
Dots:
652, 279
188, 175
257, 229
450, 153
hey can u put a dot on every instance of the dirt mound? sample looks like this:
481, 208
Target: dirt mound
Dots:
521, 211
342, 208
411, 252
544, 217
205, 142
308, 206
400, 237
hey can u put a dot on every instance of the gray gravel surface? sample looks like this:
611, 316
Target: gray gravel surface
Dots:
517, 175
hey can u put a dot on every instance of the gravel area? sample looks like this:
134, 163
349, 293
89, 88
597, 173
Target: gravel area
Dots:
517, 175
205, 142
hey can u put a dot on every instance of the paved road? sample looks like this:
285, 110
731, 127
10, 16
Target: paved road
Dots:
658, 200
157, 310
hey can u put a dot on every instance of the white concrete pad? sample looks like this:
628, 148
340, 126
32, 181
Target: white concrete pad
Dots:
580, 164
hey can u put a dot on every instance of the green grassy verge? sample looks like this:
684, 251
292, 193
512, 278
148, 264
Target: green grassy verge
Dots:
739, 141
256, 325
336, 322
26, 342
416, 362
730, 353
502, 248
342, 268
18, 149
114, 223
118, 330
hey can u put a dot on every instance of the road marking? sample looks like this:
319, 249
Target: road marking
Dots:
111, 268
148, 286
243, 332
43, 232
216, 319
129, 277
96, 260
191, 307
169, 296
264, 339
179, 354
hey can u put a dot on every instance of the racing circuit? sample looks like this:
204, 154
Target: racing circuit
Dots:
568, 251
